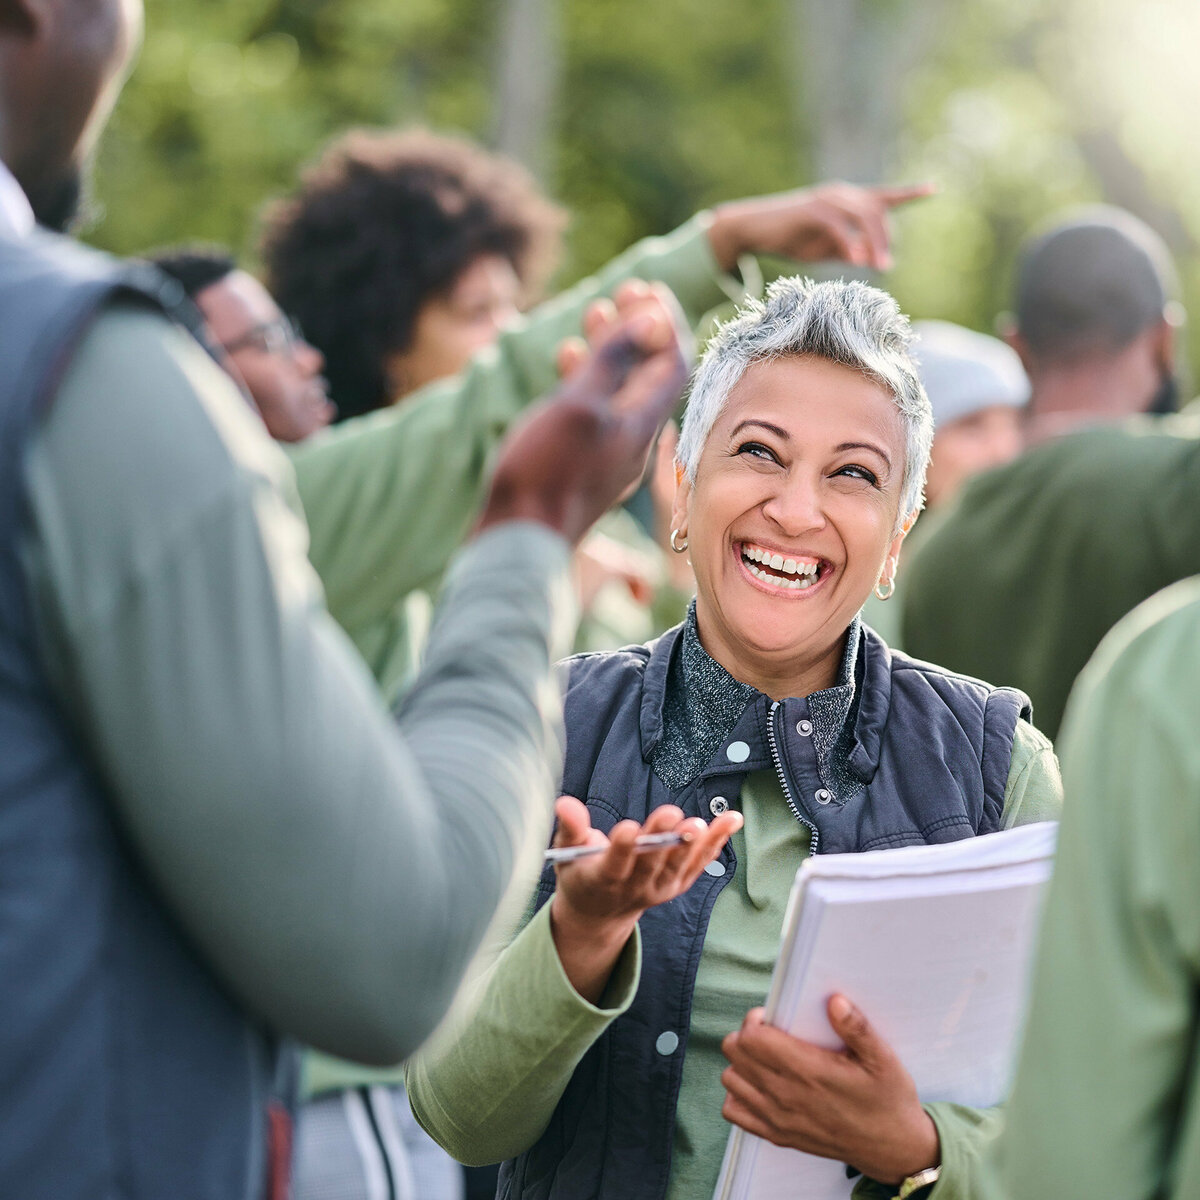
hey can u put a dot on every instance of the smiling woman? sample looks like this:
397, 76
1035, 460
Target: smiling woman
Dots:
792, 516
772, 724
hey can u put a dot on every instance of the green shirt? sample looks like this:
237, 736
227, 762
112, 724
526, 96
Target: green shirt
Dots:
486, 1088
311, 846
1037, 560
390, 496
1107, 1096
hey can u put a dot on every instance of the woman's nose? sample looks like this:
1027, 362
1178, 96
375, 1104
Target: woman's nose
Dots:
796, 507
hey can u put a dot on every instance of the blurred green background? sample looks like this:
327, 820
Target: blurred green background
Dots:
634, 113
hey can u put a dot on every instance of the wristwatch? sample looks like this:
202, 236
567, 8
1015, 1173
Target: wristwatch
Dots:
914, 1183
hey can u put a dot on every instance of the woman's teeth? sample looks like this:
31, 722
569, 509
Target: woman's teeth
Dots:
796, 575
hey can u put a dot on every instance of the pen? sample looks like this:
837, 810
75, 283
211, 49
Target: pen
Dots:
648, 841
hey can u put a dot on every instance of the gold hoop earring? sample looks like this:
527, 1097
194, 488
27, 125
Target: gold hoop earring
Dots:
675, 545
885, 588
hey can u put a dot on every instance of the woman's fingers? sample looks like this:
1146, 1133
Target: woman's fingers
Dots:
574, 823
625, 878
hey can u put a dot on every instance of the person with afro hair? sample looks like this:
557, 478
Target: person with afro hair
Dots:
404, 253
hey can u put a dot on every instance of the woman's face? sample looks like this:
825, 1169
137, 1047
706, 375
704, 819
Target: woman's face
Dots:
791, 519
451, 328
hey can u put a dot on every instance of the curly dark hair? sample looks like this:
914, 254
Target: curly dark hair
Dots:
383, 222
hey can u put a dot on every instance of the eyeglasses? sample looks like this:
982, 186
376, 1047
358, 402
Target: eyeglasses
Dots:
280, 336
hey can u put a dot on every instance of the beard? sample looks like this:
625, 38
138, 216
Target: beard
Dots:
1166, 396
57, 201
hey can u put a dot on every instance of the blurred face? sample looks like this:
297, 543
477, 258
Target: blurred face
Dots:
58, 87
792, 519
983, 439
451, 328
281, 371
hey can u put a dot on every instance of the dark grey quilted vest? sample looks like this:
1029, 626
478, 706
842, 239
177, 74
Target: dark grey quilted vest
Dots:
931, 750
126, 1073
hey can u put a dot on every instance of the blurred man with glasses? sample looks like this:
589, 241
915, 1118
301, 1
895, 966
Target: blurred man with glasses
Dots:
257, 344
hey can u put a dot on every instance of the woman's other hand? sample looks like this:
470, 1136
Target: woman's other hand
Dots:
857, 1105
599, 899
830, 221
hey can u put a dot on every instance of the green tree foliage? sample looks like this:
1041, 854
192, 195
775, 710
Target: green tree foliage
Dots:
1016, 108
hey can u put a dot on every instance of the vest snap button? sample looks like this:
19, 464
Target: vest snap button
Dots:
717, 805
716, 867
667, 1043
737, 752
823, 795
804, 728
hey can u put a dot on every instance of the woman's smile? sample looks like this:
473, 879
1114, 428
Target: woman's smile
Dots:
791, 574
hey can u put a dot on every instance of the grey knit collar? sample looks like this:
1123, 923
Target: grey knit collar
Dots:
703, 702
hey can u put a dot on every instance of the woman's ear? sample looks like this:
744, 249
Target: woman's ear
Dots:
680, 509
898, 540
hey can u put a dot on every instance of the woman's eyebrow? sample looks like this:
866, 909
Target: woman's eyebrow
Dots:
845, 446
782, 434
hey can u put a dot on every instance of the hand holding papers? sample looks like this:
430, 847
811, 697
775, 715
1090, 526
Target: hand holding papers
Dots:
932, 944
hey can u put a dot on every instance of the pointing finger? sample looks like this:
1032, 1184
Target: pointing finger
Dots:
903, 193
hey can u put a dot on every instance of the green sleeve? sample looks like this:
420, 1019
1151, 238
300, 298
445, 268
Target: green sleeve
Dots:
486, 1087
1106, 1095
1034, 791
314, 848
362, 482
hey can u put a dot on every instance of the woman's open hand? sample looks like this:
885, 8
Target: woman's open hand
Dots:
858, 1105
599, 899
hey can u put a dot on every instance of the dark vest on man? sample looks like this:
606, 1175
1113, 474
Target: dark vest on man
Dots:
926, 758
126, 1071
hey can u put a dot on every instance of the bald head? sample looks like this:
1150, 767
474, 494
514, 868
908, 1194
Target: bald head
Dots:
61, 66
1091, 285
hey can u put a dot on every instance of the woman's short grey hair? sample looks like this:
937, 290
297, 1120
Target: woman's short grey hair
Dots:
844, 322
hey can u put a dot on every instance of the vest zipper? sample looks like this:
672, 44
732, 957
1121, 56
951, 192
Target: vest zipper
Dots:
814, 841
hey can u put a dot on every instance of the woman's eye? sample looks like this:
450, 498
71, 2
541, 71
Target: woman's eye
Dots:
854, 471
758, 450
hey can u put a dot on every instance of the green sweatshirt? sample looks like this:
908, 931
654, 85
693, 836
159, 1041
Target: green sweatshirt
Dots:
1020, 579
1107, 1096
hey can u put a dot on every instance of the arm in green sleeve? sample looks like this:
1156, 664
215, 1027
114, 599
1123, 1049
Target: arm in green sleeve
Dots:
486, 1087
335, 868
1105, 1099
361, 482
1034, 791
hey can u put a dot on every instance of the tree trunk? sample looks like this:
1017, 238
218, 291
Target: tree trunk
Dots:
852, 58
528, 70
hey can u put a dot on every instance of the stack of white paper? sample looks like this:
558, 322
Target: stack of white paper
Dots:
933, 944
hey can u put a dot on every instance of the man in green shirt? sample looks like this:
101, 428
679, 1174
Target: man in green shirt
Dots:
302, 852
1106, 1100
1018, 581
